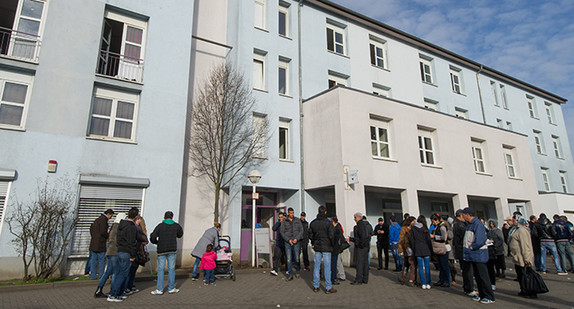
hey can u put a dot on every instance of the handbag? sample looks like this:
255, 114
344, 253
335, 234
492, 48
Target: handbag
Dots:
532, 282
438, 248
142, 256
344, 245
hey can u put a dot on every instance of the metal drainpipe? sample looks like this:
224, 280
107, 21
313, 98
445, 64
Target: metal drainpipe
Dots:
302, 160
480, 95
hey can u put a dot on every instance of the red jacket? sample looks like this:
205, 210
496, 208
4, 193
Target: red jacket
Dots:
208, 260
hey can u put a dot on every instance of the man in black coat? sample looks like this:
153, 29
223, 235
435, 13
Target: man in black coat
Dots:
362, 236
99, 233
305, 240
458, 231
382, 232
279, 249
322, 235
165, 236
127, 250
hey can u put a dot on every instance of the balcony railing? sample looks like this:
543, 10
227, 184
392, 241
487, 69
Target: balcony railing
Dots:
19, 45
120, 66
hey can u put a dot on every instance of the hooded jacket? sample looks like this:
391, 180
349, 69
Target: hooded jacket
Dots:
420, 240
563, 233
321, 233
165, 236
394, 232
546, 231
474, 243
127, 237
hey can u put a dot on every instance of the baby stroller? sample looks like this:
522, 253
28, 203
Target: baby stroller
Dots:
224, 263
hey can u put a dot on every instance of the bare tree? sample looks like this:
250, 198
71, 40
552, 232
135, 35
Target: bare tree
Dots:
43, 227
224, 137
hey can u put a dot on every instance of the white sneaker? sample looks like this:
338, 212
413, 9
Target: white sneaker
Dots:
157, 292
494, 287
472, 294
428, 286
173, 291
114, 299
274, 273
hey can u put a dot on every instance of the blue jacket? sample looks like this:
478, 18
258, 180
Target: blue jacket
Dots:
562, 231
474, 243
394, 232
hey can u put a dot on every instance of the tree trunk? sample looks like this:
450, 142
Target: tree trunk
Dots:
216, 206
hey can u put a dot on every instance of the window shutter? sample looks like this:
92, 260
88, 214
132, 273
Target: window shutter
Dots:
3, 193
94, 200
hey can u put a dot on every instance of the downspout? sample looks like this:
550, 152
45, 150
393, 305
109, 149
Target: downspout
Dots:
302, 160
480, 95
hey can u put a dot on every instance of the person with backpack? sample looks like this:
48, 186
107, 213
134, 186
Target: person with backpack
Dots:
361, 237
563, 235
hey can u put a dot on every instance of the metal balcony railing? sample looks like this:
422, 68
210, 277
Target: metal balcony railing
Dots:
19, 45
120, 66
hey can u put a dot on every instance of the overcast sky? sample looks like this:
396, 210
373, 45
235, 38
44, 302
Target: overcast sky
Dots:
532, 40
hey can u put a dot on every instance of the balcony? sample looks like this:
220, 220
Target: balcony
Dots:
19, 45
120, 66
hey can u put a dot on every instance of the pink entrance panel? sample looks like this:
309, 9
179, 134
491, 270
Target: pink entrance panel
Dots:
269, 213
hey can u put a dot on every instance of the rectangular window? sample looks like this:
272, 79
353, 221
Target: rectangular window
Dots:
259, 130
380, 145
426, 147
122, 47
509, 161
21, 27
538, 141
431, 104
426, 72
113, 115
259, 14
455, 80
381, 90
4, 185
14, 99
377, 49
478, 156
493, 92
335, 39
336, 79
549, 112
284, 140
503, 96
283, 20
557, 147
461, 113
283, 76
509, 125
499, 123
545, 180
258, 71
94, 200
563, 182
531, 107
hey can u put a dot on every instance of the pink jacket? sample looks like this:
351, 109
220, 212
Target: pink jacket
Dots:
208, 260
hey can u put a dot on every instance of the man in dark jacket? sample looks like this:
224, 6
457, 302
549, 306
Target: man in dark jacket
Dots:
382, 232
99, 233
563, 235
362, 235
475, 251
458, 230
535, 239
292, 232
165, 236
279, 249
322, 235
305, 240
127, 249
547, 233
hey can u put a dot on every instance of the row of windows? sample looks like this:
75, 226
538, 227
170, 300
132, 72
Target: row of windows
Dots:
381, 148
260, 69
540, 149
260, 20
546, 180
284, 137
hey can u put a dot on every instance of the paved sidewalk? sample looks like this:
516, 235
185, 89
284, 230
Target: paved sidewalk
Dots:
258, 289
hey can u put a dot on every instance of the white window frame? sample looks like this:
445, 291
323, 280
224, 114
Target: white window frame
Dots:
509, 125
283, 9
503, 96
424, 63
18, 79
545, 179
337, 79
461, 113
259, 19
24, 39
116, 97
499, 123
259, 126
377, 126
431, 104
456, 80
478, 156
549, 112
381, 90
285, 134
493, 92
259, 76
427, 147
563, 181
338, 47
510, 162
283, 66
5, 186
531, 107
557, 146
539, 142
378, 52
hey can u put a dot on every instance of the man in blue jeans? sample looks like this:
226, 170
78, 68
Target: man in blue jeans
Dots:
394, 232
126, 239
292, 232
321, 235
547, 233
165, 236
